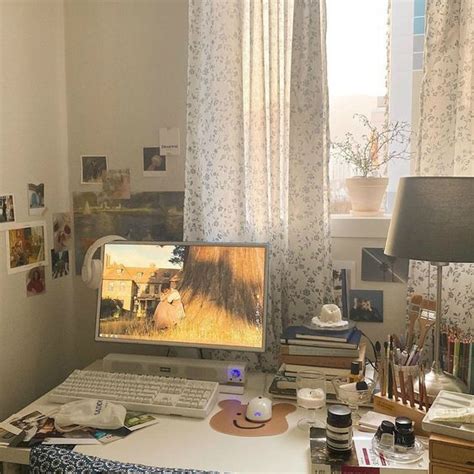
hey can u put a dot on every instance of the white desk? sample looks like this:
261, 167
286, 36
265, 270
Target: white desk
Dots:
191, 443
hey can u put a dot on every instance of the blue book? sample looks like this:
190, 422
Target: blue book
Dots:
301, 335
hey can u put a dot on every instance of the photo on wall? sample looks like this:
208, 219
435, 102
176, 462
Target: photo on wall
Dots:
92, 168
26, 244
366, 306
35, 281
376, 266
148, 216
116, 184
62, 231
59, 263
154, 163
36, 205
7, 210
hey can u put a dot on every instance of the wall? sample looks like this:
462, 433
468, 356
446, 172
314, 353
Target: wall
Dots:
35, 332
126, 76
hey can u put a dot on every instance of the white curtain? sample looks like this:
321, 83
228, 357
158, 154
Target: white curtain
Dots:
445, 139
257, 145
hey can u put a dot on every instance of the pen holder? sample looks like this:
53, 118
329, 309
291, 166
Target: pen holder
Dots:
413, 370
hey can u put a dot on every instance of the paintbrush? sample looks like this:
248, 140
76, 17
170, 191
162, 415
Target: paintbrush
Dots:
413, 313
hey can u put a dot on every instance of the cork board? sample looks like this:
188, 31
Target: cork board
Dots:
231, 420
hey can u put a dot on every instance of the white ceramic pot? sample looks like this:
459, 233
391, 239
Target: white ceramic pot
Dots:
366, 195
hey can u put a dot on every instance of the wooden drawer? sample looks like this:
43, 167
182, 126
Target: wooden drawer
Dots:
458, 453
436, 468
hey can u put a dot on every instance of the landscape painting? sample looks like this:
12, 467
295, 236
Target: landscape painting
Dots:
183, 294
148, 216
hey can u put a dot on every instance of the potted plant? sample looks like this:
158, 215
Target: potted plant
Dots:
368, 156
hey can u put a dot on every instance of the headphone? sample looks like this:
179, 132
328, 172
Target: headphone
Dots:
91, 272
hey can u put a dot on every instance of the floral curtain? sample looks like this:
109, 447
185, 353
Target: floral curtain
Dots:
257, 146
445, 139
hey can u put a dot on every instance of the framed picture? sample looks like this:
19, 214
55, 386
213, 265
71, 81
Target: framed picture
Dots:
92, 167
26, 247
366, 306
376, 266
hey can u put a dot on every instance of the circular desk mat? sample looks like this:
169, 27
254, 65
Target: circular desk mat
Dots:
231, 420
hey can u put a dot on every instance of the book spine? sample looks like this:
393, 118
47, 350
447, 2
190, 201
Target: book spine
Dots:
334, 362
294, 349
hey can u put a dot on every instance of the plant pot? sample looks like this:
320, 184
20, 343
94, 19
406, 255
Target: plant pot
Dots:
366, 195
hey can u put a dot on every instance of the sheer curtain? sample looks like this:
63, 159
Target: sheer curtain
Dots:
257, 145
445, 139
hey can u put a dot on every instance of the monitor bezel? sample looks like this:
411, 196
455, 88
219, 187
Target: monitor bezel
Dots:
266, 246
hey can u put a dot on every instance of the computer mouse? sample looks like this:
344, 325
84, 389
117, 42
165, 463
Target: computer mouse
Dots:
259, 409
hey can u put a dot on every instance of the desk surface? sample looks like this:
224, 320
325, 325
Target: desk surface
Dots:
191, 443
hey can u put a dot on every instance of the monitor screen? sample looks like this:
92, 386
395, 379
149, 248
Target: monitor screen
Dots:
184, 294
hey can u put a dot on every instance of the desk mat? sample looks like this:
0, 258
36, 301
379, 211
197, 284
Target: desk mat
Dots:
231, 420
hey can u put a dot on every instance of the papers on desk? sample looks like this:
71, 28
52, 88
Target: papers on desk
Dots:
38, 428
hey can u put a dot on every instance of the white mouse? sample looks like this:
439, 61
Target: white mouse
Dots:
259, 409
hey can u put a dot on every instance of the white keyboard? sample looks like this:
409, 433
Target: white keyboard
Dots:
146, 393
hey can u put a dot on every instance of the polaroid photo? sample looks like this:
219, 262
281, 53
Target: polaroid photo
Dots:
7, 210
26, 244
36, 205
62, 231
92, 168
59, 263
154, 163
366, 306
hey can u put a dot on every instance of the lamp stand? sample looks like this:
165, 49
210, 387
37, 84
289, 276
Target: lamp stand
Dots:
437, 380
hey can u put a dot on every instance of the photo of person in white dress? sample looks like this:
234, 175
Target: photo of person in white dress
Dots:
170, 309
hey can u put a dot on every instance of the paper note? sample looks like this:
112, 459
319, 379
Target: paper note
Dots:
169, 141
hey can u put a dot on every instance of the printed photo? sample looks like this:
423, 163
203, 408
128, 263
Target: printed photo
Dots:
135, 420
26, 247
62, 231
153, 162
116, 184
150, 216
59, 263
376, 266
188, 294
342, 276
36, 199
35, 282
92, 168
366, 306
7, 210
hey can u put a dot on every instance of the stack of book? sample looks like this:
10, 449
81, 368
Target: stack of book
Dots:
325, 351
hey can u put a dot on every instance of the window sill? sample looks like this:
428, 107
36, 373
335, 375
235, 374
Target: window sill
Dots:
348, 226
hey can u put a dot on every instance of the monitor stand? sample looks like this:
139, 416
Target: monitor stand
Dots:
231, 375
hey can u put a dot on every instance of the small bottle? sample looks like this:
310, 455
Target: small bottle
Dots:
355, 371
339, 430
385, 434
404, 434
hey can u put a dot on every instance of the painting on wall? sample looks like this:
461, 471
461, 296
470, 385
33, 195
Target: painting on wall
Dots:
154, 163
147, 216
366, 306
92, 168
26, 244
376, 266
7, 210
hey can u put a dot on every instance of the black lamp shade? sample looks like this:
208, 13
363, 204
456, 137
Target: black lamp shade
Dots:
433, 219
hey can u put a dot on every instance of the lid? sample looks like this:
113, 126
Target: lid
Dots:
355, 367
403, 423
387, 427
339, 415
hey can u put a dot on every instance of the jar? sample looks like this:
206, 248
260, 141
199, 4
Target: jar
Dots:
404, 434
385, 434
339, 430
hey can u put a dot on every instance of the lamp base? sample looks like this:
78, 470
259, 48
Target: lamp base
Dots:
436, 381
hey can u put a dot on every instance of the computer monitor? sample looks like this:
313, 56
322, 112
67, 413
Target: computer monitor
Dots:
205, 295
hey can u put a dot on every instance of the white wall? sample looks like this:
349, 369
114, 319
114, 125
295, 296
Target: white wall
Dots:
35, 332
126, 78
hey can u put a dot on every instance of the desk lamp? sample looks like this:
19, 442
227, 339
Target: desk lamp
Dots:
433, 220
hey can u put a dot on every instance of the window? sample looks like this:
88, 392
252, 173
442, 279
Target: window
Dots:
123, 285
357, 40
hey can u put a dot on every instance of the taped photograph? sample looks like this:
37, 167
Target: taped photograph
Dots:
154, 163
7, 210
92, 168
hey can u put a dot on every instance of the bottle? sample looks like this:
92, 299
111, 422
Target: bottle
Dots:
385, 434
404, 434
355, 371
339, 431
